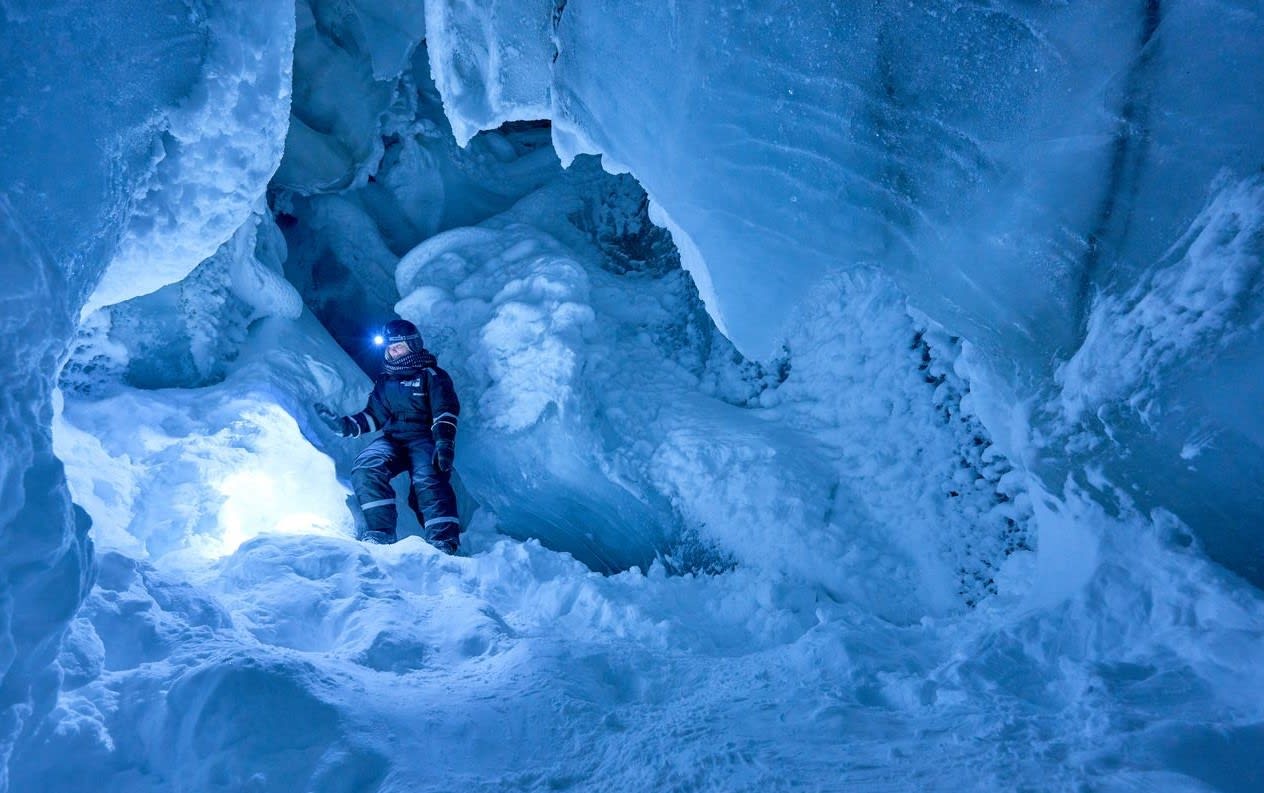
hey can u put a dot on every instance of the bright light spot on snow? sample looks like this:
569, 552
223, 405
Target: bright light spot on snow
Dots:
221, 465
246, 493
257, 505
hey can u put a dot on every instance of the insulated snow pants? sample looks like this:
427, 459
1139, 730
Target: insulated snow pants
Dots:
432, 497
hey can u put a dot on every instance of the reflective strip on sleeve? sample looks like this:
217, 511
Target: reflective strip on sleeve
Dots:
382, 503
437, 521
373, 425
445, 415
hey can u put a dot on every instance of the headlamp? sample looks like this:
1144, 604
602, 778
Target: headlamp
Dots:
379, 340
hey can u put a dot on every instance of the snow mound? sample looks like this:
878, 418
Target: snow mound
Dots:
605, 416
519, 667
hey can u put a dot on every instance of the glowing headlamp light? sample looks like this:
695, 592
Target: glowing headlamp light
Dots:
379, 340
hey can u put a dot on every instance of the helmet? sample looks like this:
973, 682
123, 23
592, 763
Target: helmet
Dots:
398, 330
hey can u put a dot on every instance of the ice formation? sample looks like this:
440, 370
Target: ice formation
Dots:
137, 137
1017, 171
879, 410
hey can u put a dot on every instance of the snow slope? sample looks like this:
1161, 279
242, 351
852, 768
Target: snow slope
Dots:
519, 668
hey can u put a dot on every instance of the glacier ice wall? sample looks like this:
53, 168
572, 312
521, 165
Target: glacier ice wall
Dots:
605, 415
977, 145
125, 126
876, 471
1019, 170
1163, 397
46, 568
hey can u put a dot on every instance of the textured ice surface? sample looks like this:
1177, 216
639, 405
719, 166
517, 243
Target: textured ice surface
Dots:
136, 137
44, 569
1171, 367
961, 147
209, 157
930, 546
412, 180
1016, 169
187, 333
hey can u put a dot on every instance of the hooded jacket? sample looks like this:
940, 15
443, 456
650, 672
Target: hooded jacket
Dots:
416, 403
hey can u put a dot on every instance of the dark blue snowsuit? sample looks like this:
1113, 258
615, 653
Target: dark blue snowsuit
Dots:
413, 410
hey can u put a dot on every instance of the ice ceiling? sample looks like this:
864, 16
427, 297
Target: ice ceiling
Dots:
920, 343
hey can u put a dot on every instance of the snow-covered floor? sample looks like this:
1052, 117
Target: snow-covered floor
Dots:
846, 601
317, 663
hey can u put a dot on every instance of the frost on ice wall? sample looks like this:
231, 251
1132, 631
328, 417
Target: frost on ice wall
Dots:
1172, 366
605, 415
1012, 168
45, 569
136, 138
975, 145
208, 158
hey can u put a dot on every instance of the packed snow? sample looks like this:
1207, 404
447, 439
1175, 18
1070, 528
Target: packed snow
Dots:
817, 435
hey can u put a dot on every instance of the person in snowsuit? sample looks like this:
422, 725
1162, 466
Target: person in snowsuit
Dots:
415, 406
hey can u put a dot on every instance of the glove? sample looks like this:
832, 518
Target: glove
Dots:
443, 454
331, 419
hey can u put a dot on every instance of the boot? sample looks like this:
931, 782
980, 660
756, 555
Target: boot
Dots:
447, 546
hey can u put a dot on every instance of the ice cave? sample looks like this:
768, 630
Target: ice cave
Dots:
854, 396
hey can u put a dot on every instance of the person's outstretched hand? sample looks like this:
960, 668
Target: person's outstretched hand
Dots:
331, 419
443, 454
